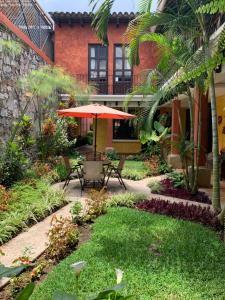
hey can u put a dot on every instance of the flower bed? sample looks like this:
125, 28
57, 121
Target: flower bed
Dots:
168, 189
203, 215
29, 203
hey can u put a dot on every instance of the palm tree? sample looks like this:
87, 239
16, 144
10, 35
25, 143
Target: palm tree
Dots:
177, 20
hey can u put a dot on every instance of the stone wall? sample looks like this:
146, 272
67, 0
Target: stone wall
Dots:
12, 68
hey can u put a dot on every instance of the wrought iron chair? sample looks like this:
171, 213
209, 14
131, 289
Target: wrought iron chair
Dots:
72, 171
117, 171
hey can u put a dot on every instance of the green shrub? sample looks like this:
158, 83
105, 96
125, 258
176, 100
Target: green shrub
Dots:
54, 139
112, 155
96, 203
60, 169
32, 201
76, 213
163, 167
177, 179
12, 164
63, 236
133, 174
155, 186
90, 137
125, 199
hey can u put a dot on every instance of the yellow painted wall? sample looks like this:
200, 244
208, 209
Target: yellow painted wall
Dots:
102, 135
221, 113
128, 147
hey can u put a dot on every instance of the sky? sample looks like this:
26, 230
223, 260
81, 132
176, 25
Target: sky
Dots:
82, 5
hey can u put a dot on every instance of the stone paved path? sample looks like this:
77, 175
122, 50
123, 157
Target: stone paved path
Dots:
36, 236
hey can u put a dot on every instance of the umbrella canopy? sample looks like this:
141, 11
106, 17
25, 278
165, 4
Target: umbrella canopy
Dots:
93, 111
96, 111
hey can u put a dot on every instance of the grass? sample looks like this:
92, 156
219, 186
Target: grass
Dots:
162, 258
135, 170
30, 203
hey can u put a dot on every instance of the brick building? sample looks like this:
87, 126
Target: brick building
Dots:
78, 50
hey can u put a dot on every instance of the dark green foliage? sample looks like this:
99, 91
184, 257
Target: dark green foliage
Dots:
26, 292
12, 164
61, 171
90, 137
112, 155
177, 179
163, 167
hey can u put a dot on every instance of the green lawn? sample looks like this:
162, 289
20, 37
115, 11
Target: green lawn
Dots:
135, 170
189, 263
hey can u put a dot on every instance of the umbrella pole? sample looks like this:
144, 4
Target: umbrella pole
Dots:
95, 136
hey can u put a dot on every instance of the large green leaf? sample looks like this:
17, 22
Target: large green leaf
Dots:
10, 271
26, 292
159, 127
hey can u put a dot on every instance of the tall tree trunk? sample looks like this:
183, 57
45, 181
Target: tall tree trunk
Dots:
195, 187
190, 102
215, 145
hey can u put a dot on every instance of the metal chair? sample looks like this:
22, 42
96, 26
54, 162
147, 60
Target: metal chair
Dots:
93, 173
117, 171
91, 156
72, 171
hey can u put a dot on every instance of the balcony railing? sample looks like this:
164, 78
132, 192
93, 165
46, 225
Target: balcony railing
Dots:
111, 85
31, 19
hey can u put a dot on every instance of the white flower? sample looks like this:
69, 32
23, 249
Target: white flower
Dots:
78, 266
119, 276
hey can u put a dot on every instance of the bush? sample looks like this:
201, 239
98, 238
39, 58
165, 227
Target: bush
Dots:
60, 169
168, 189
112, 155
75, 211
5, 197
156, 187
54, 139
153, 164
33, 200
177, 179
63, 237
126, 199
163, 167
90, 137
183, 211
24, 137
12, 164
132, 174
17, 284
96, 204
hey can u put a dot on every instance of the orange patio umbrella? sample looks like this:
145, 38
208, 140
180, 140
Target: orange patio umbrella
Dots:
95, 111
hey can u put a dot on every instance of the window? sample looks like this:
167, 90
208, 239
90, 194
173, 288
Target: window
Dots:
122, 70
125, 129
98, 67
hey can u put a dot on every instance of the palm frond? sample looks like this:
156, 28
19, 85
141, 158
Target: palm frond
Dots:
221, 41
144, 6
101, 18
213, 7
